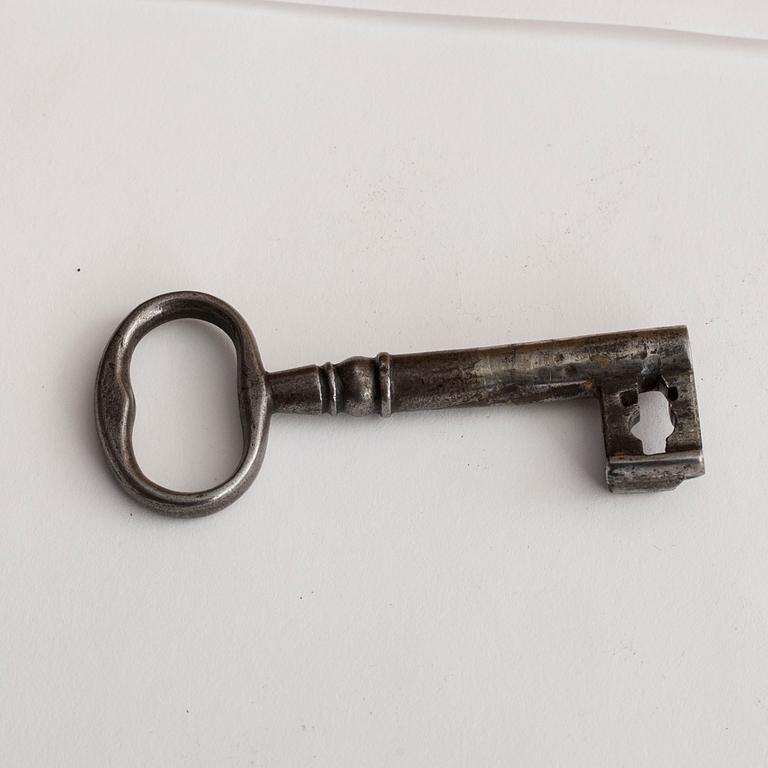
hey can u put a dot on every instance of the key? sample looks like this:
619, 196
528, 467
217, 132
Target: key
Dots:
613, 367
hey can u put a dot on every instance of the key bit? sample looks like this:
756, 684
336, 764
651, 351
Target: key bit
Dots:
613, 367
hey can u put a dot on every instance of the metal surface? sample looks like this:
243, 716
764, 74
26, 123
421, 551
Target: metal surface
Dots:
613, 367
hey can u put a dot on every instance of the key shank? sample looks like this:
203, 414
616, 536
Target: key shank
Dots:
613, 367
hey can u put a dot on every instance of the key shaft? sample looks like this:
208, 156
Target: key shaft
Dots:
522, 373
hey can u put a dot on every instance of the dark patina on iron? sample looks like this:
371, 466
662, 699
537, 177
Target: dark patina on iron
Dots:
612, 367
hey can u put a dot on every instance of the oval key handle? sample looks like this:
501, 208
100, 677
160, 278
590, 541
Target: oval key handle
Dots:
115, 406
612, 367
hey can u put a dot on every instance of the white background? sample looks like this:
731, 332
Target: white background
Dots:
447, 589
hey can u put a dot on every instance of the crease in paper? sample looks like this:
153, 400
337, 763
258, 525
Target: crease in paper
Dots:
745, 19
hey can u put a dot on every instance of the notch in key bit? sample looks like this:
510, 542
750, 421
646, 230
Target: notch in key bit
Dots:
644, 361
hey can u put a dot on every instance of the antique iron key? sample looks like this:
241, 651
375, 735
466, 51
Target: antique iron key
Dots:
612, 367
